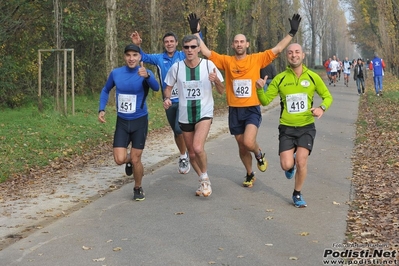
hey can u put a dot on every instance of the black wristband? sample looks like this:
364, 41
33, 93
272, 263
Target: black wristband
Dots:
101, 111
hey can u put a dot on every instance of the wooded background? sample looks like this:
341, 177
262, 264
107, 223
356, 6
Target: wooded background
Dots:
98, 30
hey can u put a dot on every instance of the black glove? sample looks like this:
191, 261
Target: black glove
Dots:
193, 21
294, 22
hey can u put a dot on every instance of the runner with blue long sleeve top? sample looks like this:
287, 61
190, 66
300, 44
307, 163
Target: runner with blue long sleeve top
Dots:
132, 83
163, 61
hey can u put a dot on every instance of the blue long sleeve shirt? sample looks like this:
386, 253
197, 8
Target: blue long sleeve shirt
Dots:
131, 90
163, 63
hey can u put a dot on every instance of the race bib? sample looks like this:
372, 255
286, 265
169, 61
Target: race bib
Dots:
175, 92
193, 90
297, 103
127, 103
242, 88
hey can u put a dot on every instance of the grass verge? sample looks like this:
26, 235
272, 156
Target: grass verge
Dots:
30, 139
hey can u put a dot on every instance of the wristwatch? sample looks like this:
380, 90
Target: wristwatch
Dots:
323, 108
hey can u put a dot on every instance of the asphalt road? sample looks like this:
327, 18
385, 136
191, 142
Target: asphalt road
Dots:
234, 226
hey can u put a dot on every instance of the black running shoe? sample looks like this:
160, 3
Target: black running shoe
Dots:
129, 169
138, 194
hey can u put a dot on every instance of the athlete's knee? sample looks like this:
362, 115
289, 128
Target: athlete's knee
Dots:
119, 160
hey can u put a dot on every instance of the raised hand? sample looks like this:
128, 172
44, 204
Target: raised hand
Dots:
136, 39
260, 83
213, 76
294, 22
142, 70
194, 23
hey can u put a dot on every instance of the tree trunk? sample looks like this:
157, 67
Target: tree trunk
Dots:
111, 45
57, 55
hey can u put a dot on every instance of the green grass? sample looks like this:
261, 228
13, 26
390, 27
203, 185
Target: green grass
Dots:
30, 139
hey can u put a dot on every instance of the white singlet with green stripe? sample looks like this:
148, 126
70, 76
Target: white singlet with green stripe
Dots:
194, 90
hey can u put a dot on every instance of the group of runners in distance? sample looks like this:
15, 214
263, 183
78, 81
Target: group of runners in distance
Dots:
334, 67
187, 81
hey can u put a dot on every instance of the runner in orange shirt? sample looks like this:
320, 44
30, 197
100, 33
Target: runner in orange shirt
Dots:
241, 73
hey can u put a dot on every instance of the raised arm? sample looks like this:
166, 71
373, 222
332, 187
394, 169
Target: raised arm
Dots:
193, 21
294, 22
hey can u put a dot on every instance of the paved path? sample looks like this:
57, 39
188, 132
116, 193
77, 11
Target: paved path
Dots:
234, 226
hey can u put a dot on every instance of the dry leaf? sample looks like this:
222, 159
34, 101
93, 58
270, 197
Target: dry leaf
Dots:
117, 249
304, 233
293, 258
99, 259
86, 248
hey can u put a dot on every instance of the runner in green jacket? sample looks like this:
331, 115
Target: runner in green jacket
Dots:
296, 87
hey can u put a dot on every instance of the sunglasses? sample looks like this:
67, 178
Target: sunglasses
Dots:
190, 46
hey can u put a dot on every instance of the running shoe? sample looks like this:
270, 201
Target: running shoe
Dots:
262, 163
298, 201
206, 187
249, 180
291, 173
198, 192
138, 194
128, 169
184, 165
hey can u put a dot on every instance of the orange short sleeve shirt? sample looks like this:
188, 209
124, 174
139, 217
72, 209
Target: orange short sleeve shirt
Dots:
241, 76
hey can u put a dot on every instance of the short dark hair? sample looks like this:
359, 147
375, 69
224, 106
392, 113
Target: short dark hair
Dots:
189, 38
168, 34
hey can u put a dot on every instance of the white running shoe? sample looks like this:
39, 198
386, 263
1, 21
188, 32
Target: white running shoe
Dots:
198, 192
184, 165
206, 187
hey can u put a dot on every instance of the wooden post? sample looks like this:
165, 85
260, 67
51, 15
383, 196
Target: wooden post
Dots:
65, 82
65, 77
73, 80
39, 93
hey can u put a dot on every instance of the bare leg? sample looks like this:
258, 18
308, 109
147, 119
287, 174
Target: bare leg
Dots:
247, 144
